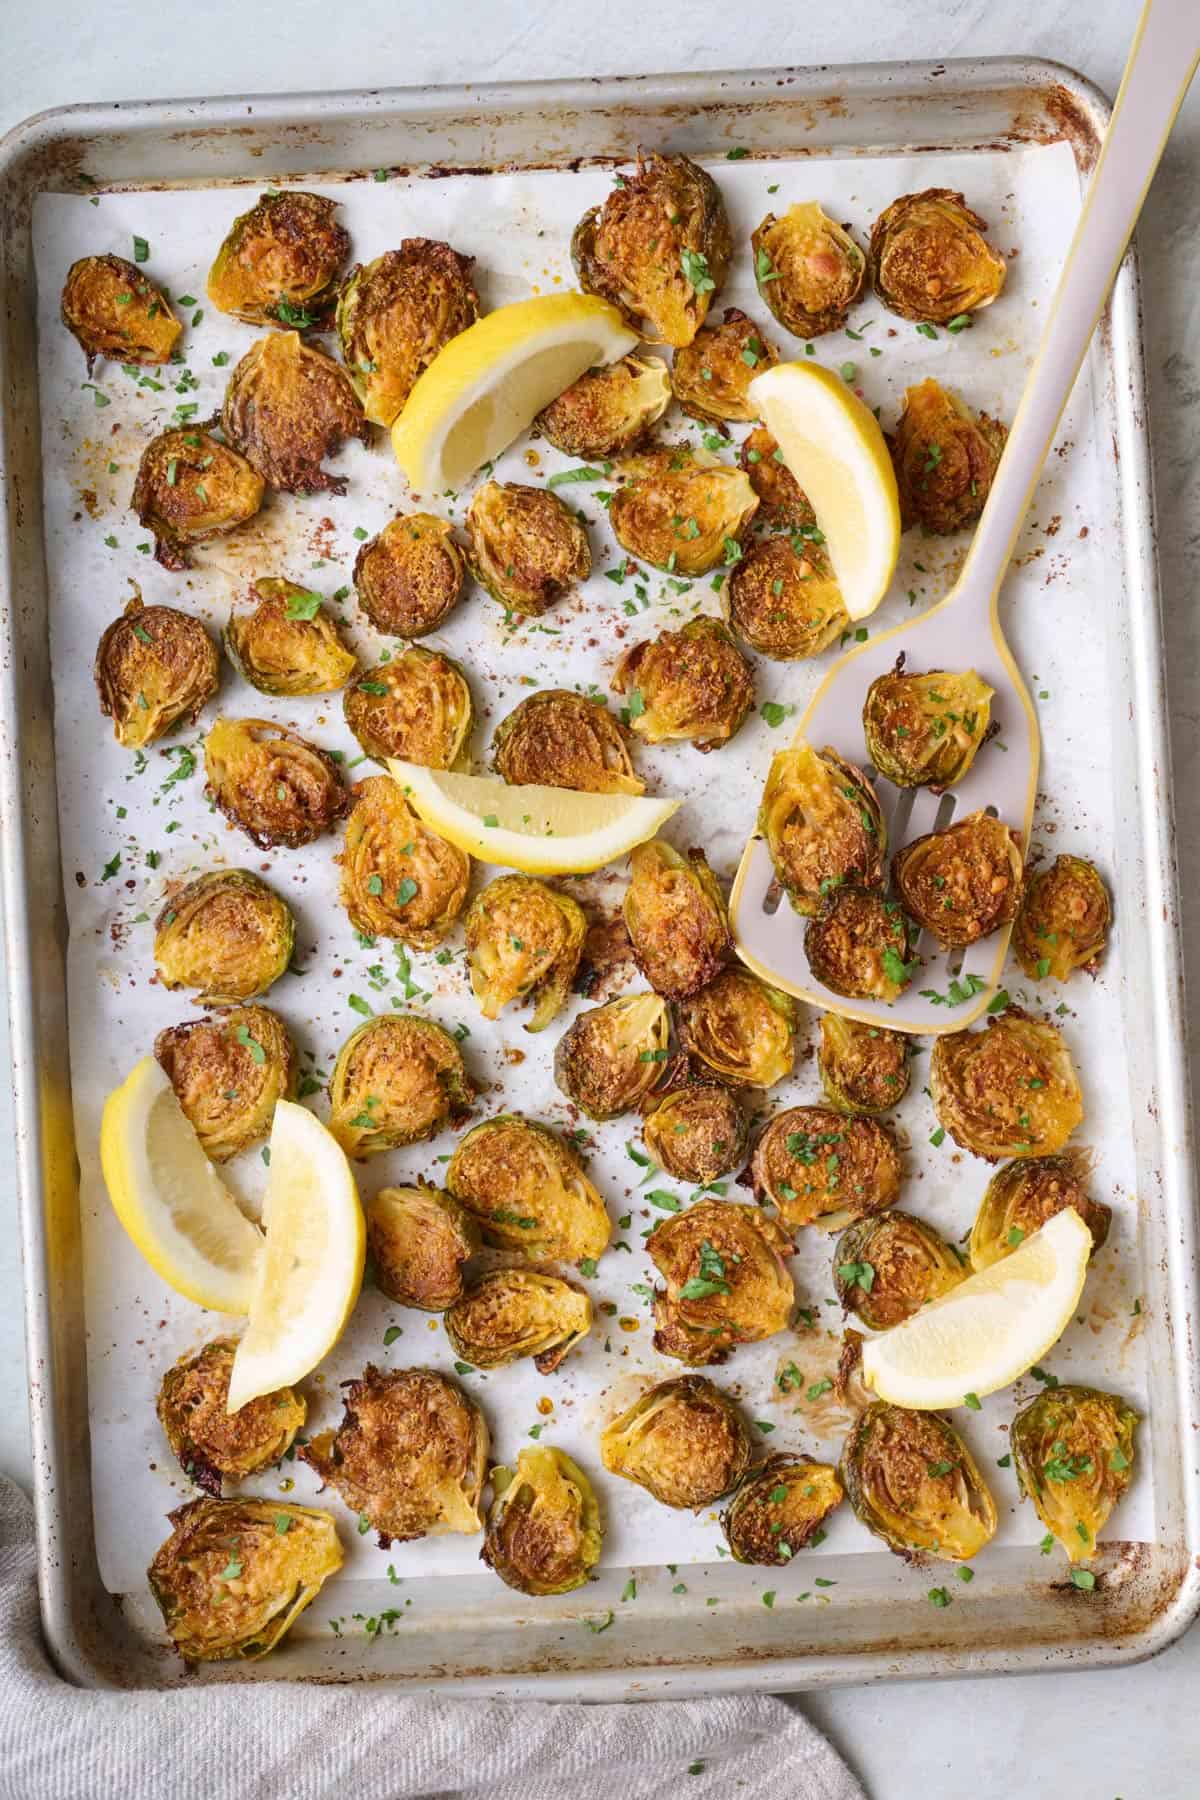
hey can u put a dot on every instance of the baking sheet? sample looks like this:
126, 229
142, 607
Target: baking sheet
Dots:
135, 1326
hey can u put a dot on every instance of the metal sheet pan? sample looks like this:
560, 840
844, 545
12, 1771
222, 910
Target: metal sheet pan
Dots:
875, 1621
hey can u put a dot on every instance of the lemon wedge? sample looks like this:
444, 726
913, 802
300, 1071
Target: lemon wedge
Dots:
311, 1270
487, 385
989, 1329
169, 1197
539, 830
832, 444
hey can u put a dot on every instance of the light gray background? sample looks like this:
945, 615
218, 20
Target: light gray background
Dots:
1119, 1735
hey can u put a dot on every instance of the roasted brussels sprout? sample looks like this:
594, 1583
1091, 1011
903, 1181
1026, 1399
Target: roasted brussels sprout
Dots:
860, 945
608, 410
112, 309
419, 1238
780, 1509
781, 499
524, 941
528, 548
887, 1266
912, 1481
740, 1029
697, 1134
1023, 1195
288, 644
154, 666
212, 1443
1009, 1090
684, 1441
286, 408
681, 509
417, 707
543, 1531
962, 883
611, 1057
692, 684
783, 597
279, 263
676, 917
396, 313
397, 1080
711, 375
226, 934
561, 739
726, 1280
235, 1575
190, 487
945, 457
510, 1313
823, 825
274, 784
1073, 1450
863, 1068
658, 248
409, 1456
924, 730
1063, 920
228, 1073
528, 1191
820, 1168
410, 576
929, 260
399, 878
809, 270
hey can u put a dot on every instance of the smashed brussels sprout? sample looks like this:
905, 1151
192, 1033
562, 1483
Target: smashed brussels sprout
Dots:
410, 576
417, 707
912, 1481
929, 259
397, 1080
1073, 1451
809, 269
211, 1443
228, 1073
888, 1266
562, 739
528, 1192
286, 408
783, 597
288, 644
154, 666
611, 1057
819, 1168
399, 878
925, 730
274, 784
418, 1239
396, 313
524, 942
697, 1134
962, 883
945, 457
608, 410
740, 1030
1063, 921
511, 1313
190, 487
861, 945
684, 1441
823, 825
226, 934
693, 685
111, 309
726, 1280
279, 263
676, 917
681, 509
1009, 1090
710, 375
863, 1068
527, 548
780, 1509
544, 1533
1023, 1195
781, 499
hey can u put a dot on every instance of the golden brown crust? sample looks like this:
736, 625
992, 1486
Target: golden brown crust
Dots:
417, 707
962, 883
399, 879
783, 597
191, 487
211, 1443
410, 576
279, 262
396, 313
684, 1441
929, 260
711, 375
274, 784
112, 309
154, 666
692, 685
228, 1073
287, 408
562, 739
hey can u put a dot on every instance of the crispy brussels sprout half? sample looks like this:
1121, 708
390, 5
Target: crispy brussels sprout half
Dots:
417, 707
190, 487
235, 1575
274, 784
863, 1068
945, 457
929, 259
410, 577
681, 510
783, 597
279, 263
562, 739
286, 408
741, 1030
111, 309
1009, 1090
726, 1280
544, 1533
809, 269
912, 1481
1073, 1450
225, 934
399, 878
886, 1267
711, 375
684, 1441
397, 1080
409, 1456
288, 644
528, 548
211, 1443
611, 1057
1023, 1195
693, 684
1063, 921
925, 730
962, 883
228, 1073
781, 500
658, 248
418, 1239
511, 1313
676, 917
780, 1509
524, 942
396, 313
697, 1134
823, 825
608, 410
528, 1192
819, 1168
154, 666
861, 945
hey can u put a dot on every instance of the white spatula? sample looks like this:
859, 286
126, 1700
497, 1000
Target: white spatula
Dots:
963, 630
